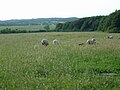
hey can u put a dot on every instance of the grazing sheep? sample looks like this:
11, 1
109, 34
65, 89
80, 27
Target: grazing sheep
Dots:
80, 44
91, 41
55, 41
44, 42
110, 37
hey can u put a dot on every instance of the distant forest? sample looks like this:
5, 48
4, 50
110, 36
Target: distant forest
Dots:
32, 25
38, 21
109, 23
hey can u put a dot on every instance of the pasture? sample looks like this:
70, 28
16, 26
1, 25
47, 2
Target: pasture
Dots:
27, 65
27, 27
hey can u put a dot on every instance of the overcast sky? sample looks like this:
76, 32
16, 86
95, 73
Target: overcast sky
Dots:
27, 9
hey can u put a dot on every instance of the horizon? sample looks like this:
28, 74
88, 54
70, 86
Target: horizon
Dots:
33, 9
38, 18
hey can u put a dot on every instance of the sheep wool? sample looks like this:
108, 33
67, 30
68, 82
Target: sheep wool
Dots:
91, 41
44, 42
55, 41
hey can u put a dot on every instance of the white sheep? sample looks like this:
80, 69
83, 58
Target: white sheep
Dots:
44, 42
91, 41
55, 41
110, 37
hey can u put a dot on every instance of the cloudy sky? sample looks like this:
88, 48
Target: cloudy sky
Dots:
27, 9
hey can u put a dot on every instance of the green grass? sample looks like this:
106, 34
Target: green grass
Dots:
27, 27
27, 65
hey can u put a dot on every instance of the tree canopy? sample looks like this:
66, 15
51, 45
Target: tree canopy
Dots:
109, 23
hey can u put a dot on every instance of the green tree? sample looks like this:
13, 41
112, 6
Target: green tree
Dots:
47, 27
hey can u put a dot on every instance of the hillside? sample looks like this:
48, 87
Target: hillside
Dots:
109, 23
38, 21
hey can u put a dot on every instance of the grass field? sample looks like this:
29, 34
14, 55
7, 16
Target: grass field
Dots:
27, 65
27, 27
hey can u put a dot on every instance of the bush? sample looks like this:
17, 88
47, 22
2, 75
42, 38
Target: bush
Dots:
9, 30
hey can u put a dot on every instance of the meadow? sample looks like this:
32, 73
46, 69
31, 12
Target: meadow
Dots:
27, 27
27, 65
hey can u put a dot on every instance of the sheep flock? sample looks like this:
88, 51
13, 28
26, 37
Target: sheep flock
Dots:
90, 41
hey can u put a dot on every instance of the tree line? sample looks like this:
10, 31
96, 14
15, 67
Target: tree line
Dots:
9, 30
109, 23
37, 21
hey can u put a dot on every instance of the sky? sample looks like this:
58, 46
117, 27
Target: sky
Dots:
28, 9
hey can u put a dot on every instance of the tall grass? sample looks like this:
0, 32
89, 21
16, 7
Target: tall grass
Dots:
27, 65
